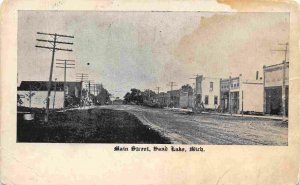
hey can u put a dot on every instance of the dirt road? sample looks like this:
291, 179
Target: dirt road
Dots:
210, 129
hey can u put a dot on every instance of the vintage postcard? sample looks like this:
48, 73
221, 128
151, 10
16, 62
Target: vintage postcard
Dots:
212, 91
187, 78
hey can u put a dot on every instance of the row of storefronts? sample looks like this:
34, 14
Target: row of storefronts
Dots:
261, 95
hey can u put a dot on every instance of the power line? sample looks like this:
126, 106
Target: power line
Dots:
82, 76
171, 84
157, 88
66, 65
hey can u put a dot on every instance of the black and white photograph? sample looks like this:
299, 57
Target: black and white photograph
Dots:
153, 77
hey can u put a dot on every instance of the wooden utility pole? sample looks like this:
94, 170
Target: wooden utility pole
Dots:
89, 87
82, 77
65, 65
94, 87
171, 84
157, 88
242, 103
54, 93
53, 48
284, 66
194, 92
229, 96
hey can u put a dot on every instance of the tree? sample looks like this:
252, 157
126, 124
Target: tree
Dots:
29, 95
187, 88
135, 96
19, 100
148, 95
103, 97
127, 97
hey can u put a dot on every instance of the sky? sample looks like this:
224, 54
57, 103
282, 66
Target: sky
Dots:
148, 49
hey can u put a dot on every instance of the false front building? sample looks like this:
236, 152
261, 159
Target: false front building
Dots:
241, 96
276, 89
207, 92
186, 99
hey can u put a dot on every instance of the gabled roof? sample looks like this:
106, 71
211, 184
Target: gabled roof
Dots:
43, 85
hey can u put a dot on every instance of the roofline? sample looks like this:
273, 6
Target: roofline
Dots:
274, 65
254, 83
48, 81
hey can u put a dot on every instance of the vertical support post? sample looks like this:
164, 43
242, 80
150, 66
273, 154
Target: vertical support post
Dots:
94, 94
89, 94
265, 93
30, 96
229, 96
188, 103
65, 80
283, 90
283, 84
242, 103
54, 94
220, 97
81, 87
89, 87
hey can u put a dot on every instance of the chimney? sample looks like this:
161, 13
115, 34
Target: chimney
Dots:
257, 73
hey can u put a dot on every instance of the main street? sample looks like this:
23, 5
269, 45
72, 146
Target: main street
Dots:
208, 128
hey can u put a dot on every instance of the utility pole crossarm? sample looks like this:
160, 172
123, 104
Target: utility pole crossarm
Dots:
64, 67
67, 64
51, 41
44, 47
65, 60
52, 34
62, 49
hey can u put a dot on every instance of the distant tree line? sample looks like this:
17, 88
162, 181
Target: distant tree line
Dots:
148, 97
136, 96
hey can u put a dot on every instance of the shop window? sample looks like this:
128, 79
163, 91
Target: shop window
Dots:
216, 100
67, 90
206, 100
211, 86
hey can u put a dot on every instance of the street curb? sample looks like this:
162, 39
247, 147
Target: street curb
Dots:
245, 115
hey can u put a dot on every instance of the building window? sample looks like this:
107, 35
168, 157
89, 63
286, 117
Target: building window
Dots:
67, 90
206, 100
211, 86
216, 100
76, 92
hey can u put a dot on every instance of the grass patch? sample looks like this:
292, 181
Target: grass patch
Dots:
87, 126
